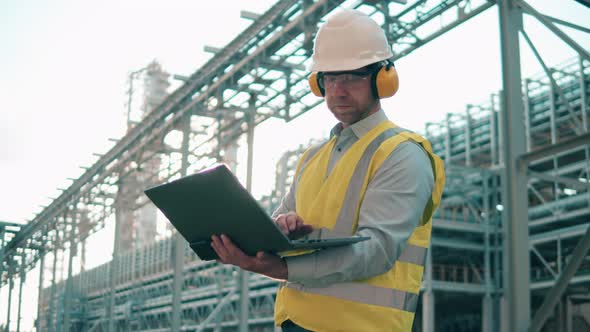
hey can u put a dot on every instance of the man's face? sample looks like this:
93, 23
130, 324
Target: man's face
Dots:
349, 96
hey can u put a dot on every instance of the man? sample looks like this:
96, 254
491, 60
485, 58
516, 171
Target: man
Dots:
372, 179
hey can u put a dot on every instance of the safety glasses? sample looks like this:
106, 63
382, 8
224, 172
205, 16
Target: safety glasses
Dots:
328, 80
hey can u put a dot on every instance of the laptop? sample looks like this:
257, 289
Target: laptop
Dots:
214, 202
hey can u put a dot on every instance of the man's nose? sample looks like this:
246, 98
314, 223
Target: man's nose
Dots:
338, 89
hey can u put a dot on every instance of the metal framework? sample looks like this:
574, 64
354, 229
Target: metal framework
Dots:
502, 172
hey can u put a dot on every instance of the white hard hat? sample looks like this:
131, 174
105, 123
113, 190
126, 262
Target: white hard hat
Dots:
349, 40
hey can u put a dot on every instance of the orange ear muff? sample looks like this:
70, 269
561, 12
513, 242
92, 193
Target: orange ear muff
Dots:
314, 84
386, 81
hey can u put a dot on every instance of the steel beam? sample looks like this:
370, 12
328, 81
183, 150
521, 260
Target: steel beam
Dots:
215, 313
179, 241
514, 180
556, 292
50, 321
68, 291
583, 96
40, 290
459, 287
550, 150
457, 244
20, 291
113, 272
135, 139
245, 275
10, 287
574, 183
487, 306
547, 22
543, 261
552, 87
581, 279
459, 226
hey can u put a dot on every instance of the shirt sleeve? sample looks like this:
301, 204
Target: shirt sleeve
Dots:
390, 211
287, 203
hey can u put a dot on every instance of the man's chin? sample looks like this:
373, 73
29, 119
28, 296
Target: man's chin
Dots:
344, 111
346, 118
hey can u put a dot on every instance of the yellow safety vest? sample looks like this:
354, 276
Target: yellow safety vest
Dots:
386, 302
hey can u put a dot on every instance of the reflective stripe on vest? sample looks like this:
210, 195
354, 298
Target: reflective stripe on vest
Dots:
364, 293
345, 221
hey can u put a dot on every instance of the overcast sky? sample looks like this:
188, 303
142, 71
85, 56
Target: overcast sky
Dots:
64, 66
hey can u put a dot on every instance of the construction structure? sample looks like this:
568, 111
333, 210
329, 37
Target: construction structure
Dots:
511, 237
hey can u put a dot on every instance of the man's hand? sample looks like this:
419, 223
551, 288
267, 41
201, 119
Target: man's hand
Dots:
292, 225
263, 263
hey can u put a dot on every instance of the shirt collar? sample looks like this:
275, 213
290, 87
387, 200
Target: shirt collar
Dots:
360, 128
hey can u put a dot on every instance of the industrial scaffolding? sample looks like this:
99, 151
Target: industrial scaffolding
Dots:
510, 238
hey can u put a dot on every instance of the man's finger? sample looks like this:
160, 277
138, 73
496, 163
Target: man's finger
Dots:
282, 225
219, 248
219, 253
292, 221
299, 223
